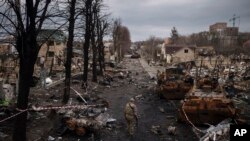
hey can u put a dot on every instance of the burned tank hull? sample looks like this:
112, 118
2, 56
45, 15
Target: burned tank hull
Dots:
207, 84
174, 90
173, 84
212, 110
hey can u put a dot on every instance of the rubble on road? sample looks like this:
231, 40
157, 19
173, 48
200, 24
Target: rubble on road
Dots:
83, 124
172, 130
156, 129
90, 119
50, 138
3, 136
161, 109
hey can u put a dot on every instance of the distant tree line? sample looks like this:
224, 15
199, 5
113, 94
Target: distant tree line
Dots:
121, 39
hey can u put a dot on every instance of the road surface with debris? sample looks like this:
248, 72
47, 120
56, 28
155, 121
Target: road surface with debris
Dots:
156, 115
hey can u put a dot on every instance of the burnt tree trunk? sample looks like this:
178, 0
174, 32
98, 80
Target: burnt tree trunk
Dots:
94, 64
87, 36
93, 43
99, 47
100, 58
26, 45
27, 62
69, 52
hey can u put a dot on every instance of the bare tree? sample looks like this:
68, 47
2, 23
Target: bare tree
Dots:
102, 30
26, 19
99, 29
125, 40
95, 29
174, 35
72, 11
121, 39
87, 37
95, 11
116, 35
151, 47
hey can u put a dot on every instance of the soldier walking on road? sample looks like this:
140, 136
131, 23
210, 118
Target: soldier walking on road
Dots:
131, 116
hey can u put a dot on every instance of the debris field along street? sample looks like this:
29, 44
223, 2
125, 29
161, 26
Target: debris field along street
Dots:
155, 115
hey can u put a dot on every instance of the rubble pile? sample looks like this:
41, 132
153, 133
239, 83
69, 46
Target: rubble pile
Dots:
93, 120
220, 132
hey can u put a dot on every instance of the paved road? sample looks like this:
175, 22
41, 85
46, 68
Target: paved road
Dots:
148, 107
152, 70
153, 112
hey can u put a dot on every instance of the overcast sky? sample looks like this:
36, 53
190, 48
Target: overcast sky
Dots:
157, 17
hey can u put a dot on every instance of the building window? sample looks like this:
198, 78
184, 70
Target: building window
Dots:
51, 54
50, 43
186, 51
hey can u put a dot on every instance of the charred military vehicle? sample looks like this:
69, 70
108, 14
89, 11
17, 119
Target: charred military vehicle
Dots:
173, 84
212, 108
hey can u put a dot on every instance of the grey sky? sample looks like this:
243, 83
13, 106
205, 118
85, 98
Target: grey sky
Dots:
157, 17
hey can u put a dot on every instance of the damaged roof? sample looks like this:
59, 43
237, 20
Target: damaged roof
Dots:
51, 35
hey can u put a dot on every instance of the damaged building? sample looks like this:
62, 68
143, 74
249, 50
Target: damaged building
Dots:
178, 53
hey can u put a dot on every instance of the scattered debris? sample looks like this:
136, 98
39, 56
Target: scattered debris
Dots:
3, 136
156, 129
172, 130
139, 97
48, 81
161, 109
170, 117
218, 132
83, 124
50, 138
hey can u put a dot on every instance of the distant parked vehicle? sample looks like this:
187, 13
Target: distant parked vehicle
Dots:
127, 55
135, 55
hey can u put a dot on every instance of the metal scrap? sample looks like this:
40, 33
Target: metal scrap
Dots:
156, 129
218, 132
172, 130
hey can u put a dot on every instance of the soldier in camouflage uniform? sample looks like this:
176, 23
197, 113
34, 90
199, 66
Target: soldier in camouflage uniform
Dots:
131, 117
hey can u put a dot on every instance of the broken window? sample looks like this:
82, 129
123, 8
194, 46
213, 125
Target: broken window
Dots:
51, 54
58, 43
50, 43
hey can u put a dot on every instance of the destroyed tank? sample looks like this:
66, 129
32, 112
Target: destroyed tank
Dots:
173, 84
206, 108
207, 83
